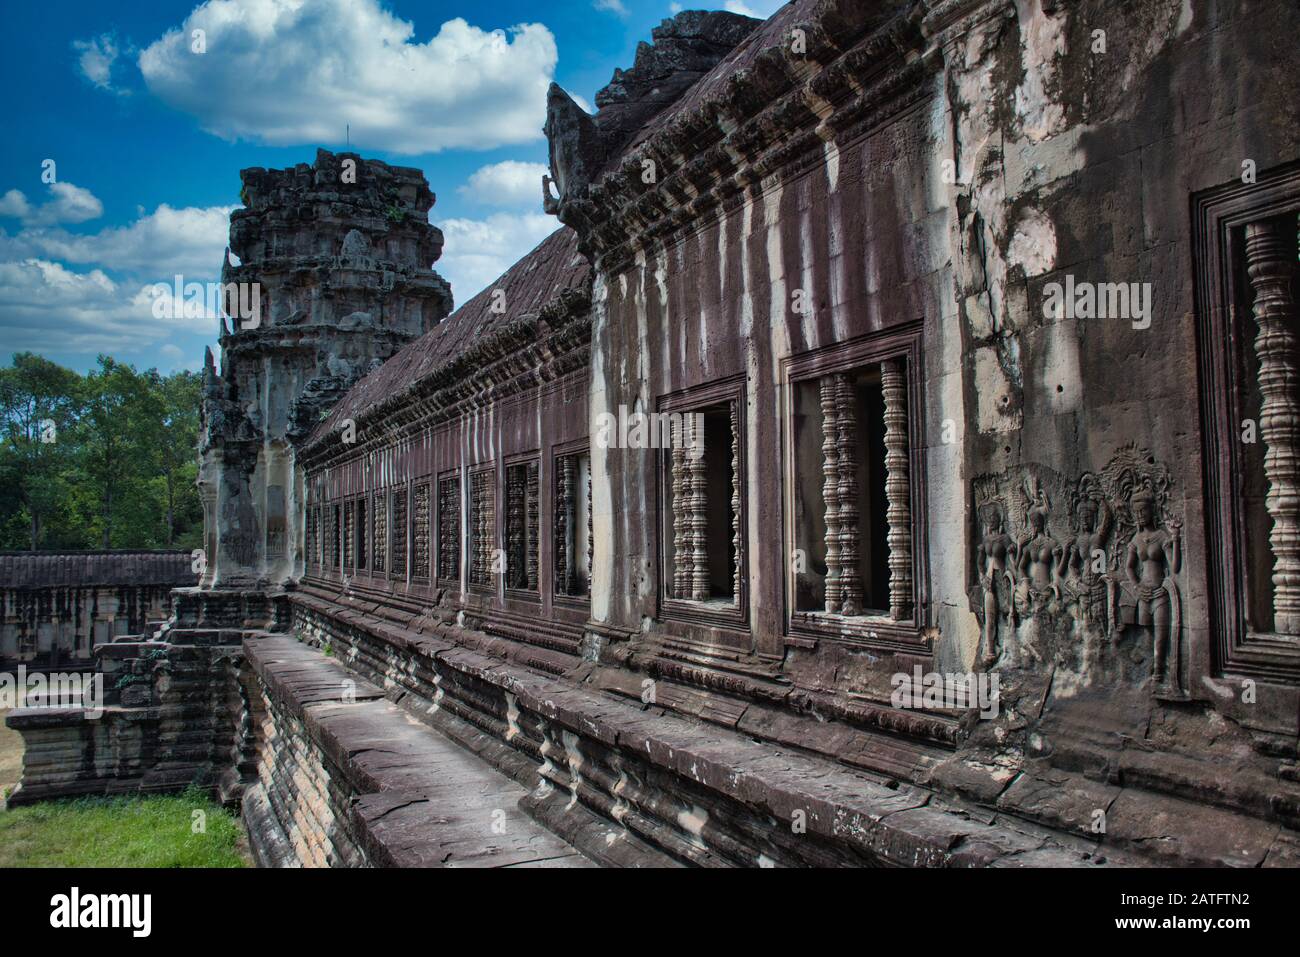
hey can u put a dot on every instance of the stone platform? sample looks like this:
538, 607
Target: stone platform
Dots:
349, 778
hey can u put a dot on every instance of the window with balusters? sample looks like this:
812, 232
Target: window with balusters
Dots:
851, 501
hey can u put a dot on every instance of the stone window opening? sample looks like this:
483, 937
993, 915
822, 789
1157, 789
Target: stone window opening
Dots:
420, 534
332, 535
349, 537
399, 533
361, 533
702, 525
522, 525
573, 540
379, 519
312, 543
1247, 259
1270, 465
482, 528
449, 528
851, 495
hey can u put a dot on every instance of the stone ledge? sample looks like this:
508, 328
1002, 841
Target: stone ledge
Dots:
416, 798
874, 817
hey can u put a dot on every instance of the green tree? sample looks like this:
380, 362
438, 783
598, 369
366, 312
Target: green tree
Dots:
120, 412
38, 411
176, 456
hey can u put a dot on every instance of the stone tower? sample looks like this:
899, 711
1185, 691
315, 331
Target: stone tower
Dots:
334, 278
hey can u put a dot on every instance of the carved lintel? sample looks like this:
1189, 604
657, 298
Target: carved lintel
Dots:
898, 514
1271, 265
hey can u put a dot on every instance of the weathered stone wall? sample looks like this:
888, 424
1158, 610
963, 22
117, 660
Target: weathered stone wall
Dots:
680, 791
340, 252
171, 708
57, 609
910, 183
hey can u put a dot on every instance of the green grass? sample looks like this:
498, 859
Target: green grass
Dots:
152, 831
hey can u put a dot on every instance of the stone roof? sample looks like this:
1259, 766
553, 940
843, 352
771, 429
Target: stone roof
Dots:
553, 267
70, 569
774, 31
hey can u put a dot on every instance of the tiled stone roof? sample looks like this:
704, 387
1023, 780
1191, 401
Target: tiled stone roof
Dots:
551, 268
54, 569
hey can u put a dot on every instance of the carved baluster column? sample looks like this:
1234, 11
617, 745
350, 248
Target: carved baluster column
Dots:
515, 524
534, 520
898, 513
591, 542
1271, 265
698, 501
567, 572
560, 530
846, 425
831, 491
736, 542
681, 554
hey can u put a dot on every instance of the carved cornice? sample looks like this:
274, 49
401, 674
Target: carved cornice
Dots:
525, 354
771, 117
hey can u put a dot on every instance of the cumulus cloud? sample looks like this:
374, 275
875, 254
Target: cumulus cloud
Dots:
613, 6
509, 183
189, 241
286, 72
477, 251
45, 305
67, 204
759, 9
97, 56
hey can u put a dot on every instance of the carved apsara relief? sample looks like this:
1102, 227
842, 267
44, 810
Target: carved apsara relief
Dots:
1081, 573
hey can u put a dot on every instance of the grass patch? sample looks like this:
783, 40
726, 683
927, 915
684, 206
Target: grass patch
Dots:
11, 756
134, 831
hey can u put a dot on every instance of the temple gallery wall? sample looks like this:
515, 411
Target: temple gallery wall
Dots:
881, 348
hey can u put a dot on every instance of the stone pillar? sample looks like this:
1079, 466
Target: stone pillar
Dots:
898, 513
831, 491
1271, 265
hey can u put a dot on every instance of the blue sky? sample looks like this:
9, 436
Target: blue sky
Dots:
147, 137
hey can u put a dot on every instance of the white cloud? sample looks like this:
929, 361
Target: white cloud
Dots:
98, 55
613, 6
510, 183
44, 305
761, 9
287, 72
67, 204
189, 241
477, 251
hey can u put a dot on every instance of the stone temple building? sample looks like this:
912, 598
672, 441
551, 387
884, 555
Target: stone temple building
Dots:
892, 460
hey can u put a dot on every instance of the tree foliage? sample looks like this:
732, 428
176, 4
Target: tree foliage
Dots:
104, 460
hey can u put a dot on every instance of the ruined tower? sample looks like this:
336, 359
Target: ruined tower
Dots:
334, 277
